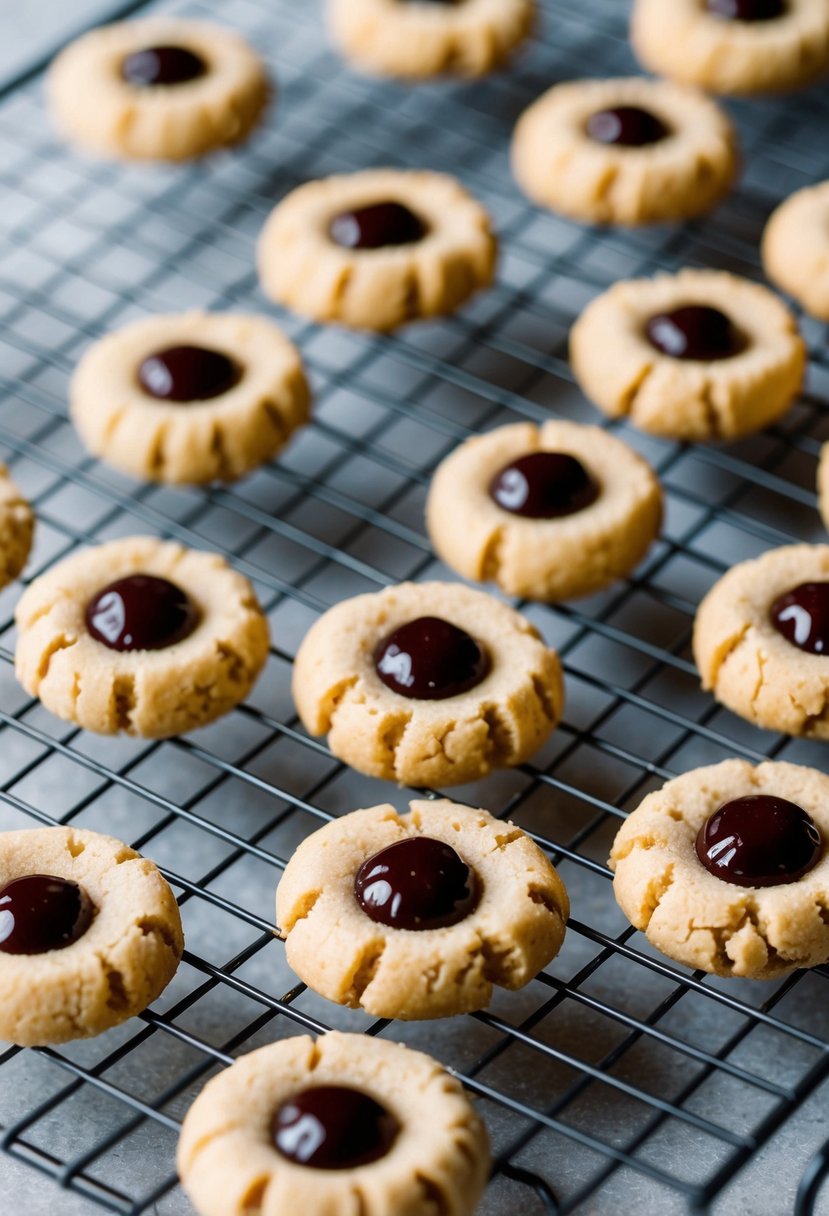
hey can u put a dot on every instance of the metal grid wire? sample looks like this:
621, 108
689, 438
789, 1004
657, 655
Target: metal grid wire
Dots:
616, 1078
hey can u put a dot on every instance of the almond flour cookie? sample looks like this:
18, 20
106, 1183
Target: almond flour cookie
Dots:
548, 513
625, 151
17, 524
427, 684
376, 249
796, 247
418, 40
726, 868
157, 89
90, 934
699, 355
734, 46
190, 399
761, 640
140, 635
419, 915
349, 1125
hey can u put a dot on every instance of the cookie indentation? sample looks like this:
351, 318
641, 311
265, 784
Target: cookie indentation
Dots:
695, 331
377, 226
419, 883
802, 617
333, 1127
162, 65
41, 912
626, 126
141, 612
188, 373
430, 659
544, 485
759, 840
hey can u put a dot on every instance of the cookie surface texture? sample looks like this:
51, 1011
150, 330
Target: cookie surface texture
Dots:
513, 931
695, 917
302, 267
153, 693
625, 375
117, 967
190, 441
96, 107
438, 1161
684, 41
559, 166
496, 724
750, 666
17, 524
416, 41
536, 558
796, 248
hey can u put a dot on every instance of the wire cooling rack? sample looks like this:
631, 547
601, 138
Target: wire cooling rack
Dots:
615, 1080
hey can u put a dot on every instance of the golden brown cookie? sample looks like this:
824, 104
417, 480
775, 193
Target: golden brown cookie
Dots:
625, 151
376, 249
427, 684
349, 1125
90, 934
157, 89
17, 524
419, 915
704, 42
192, 398
699, 355
796, 248
548, 513
140, 635
726, 868
761, 640
419, 40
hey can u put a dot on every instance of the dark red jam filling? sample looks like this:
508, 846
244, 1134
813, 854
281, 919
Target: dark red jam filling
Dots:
165, 65
377, 226
695, 332
627, 127
418, 883
759, 841
141, 612
747, 10
188, 373
430, 659
40, 912
802, 616
544, 485
333, 1127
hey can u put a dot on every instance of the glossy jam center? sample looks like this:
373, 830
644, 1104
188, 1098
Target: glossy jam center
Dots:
188, 373
40, 912
544, 485
802, 616
759, 841
430, 659
333, 1127
627, 126
419, 883
141, 612
747, 10
695, 332
162, 65
377, 226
